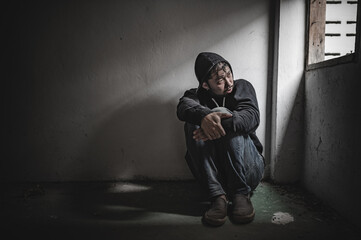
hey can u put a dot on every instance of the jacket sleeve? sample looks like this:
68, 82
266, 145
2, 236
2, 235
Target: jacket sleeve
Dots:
245, 117
189, 108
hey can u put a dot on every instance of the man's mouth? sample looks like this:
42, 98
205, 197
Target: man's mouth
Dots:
229, 89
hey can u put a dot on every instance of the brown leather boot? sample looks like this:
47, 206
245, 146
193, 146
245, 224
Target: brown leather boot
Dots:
242, 211
217, 213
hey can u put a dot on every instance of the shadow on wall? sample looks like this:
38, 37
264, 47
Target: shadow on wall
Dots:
70, 61
290, 153
145, 139
137, 141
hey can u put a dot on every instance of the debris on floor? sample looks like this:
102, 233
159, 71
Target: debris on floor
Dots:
282, 218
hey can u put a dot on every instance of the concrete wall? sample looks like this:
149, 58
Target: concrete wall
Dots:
288, 89
332, 132
317, 120
92, 86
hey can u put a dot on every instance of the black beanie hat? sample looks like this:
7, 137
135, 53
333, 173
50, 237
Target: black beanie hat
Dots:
205, 61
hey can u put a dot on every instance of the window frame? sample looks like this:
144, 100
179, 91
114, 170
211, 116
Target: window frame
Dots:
350, 58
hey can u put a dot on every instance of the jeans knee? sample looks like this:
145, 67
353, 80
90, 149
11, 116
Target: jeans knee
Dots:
234, 138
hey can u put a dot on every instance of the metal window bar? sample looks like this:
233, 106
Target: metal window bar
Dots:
332, 54
333, 2
333, 22
332, 34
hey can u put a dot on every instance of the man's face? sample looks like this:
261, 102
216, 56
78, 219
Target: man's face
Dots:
221, 82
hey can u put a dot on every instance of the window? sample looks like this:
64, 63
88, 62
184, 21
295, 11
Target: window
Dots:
340, 30
332, 31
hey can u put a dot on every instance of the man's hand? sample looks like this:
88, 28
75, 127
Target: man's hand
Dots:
198, 135
211, 127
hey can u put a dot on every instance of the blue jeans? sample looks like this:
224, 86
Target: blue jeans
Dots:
228, 165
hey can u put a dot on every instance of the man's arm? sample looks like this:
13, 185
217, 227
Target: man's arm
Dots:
211, 127
189, 108
245, 117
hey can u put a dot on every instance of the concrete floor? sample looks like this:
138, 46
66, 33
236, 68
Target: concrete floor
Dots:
158, 210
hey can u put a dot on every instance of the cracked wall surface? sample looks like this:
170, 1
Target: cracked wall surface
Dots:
332, 131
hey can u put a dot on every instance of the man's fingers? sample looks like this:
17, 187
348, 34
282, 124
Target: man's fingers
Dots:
211, 125
208, 135
224, 115
218, 130
203, 137
214, 132
199, 134
195, 132
221, 130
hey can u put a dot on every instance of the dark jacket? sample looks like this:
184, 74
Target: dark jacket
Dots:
197, 103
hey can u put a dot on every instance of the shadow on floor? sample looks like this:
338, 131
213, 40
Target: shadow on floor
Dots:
158, 210
132, 200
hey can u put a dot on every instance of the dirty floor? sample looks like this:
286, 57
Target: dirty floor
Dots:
158, 210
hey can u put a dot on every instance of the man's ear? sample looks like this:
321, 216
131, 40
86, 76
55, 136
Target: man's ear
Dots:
205, 85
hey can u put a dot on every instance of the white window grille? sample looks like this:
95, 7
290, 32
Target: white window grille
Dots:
340, 29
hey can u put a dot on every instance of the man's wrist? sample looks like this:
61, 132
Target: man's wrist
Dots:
204, 112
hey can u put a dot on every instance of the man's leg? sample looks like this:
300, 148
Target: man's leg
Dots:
244, 165
202, 160
244, 168
203, 163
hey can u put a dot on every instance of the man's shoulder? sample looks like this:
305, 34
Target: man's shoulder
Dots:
240, 82
192, 93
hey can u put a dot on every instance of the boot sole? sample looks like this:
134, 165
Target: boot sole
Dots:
243, 219
214, 222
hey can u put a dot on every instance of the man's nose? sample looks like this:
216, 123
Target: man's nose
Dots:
228, 82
